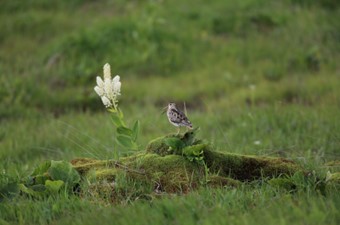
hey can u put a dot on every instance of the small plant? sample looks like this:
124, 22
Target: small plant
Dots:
109, 90
48, 178
188, 146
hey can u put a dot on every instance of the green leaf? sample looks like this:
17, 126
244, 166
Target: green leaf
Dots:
30, 191
112, 110
124, 131
54, 186
40, 179
126, 142
174, 142
42, 168
9, 190
38, 188
189, 136
135, 130
62, 170
120, 113
27, 190
39, 175
194, 152
116, 120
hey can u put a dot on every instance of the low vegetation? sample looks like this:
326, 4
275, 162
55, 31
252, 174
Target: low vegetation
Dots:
260, 79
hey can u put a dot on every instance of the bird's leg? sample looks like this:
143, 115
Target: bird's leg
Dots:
178, 130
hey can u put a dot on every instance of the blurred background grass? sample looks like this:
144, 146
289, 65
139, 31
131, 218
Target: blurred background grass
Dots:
257, 76
248, 71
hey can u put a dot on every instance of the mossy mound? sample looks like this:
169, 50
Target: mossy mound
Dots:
185, 165
246, 167
240, 167
159, 145
216, 181
171, 173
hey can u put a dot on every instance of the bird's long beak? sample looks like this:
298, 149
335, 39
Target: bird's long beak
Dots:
164, 109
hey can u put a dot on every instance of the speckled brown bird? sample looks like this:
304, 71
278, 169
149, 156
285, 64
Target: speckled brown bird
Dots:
177, 117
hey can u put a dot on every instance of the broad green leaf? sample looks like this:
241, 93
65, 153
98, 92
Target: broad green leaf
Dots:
62, 170
126, 142
40, 175
54, 186
116, 120
174, 142
124, 131
135, 130
41, 168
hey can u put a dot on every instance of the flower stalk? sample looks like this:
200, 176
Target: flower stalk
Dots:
108, 89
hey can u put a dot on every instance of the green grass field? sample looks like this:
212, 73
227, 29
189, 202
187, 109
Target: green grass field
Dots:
258, 77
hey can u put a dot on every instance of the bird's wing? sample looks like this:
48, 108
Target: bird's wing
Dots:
181, 117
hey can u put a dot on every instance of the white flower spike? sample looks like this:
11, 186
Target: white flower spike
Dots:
99, 91
108, 89
116, 79
107, 71
116, 85
100, 82
106, 102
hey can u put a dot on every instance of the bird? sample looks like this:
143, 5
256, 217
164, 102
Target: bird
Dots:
177, 117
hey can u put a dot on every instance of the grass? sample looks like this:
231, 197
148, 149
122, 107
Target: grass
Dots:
258, 77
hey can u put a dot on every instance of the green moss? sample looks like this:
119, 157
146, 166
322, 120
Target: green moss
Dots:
170, 173
216, 181
84, 165
333, 166
108, 174
333, 181
158, 146
333, 163
180, 169
240, 167
245, 167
